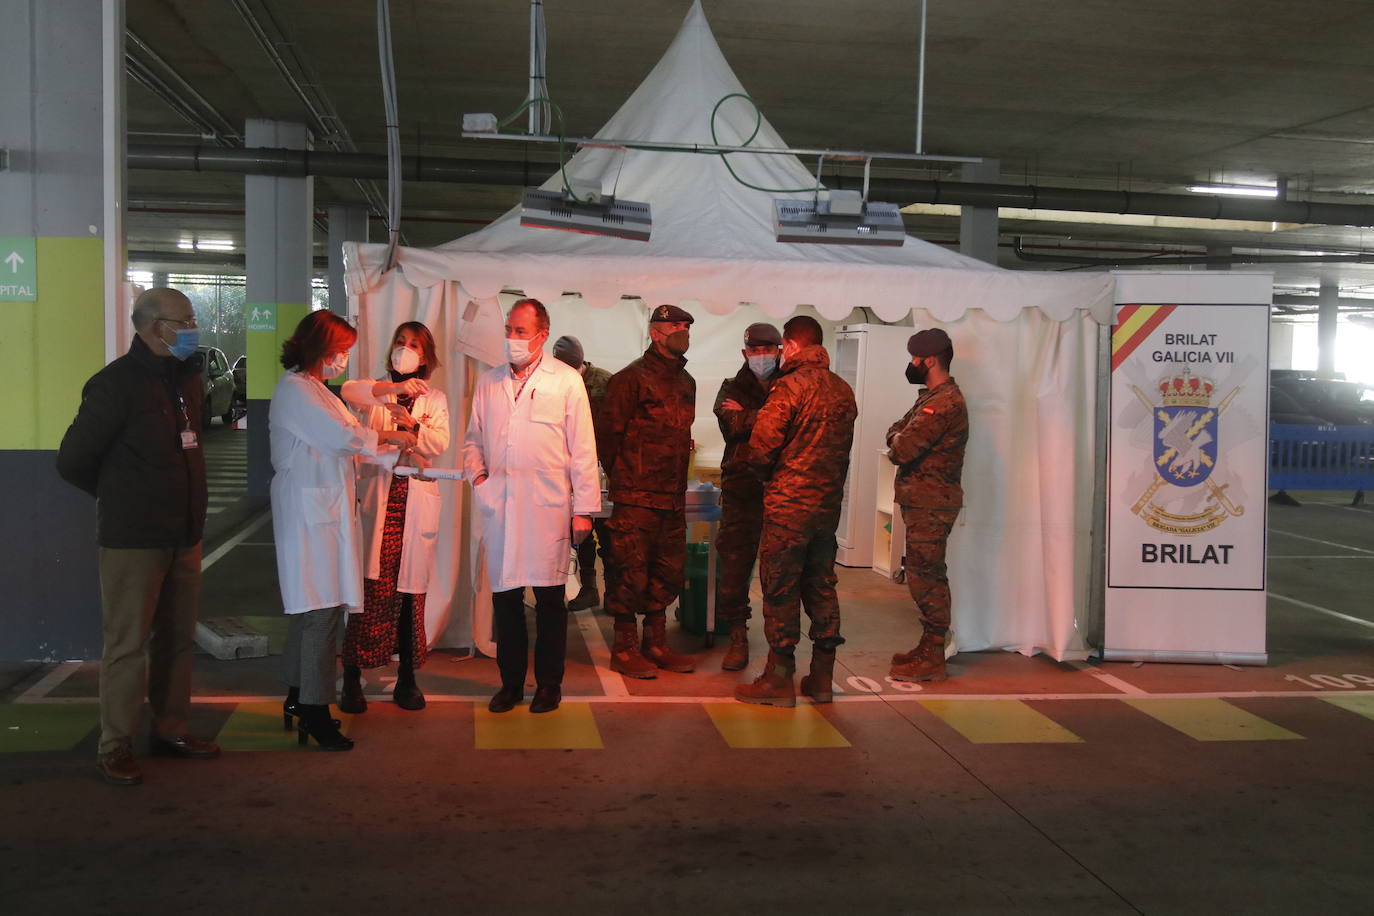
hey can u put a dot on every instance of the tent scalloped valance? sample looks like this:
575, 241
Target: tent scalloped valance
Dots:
720, 285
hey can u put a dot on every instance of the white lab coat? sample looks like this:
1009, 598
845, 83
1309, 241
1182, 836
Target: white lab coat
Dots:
421, 529
539, 455
315, 441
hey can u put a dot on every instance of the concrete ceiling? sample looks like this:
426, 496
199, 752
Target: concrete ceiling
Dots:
1078, 93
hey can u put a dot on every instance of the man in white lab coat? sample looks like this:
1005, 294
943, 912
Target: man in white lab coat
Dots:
531, 456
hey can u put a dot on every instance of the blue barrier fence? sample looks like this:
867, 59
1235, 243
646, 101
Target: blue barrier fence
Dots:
1321, 457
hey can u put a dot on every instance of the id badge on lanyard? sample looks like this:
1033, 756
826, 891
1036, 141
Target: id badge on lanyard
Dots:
188, 435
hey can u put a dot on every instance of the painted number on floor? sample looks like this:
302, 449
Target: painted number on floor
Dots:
1327, 681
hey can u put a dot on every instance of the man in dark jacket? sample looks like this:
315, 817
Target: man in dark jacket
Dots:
135, 446
644, 441
741, 521
800, 446
927, 445
568, 349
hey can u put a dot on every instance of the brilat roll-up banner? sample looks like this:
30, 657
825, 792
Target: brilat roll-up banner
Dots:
1187, 468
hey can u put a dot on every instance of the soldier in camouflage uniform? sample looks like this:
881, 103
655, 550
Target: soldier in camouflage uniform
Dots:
741, 521
644, 439
927, 445
569, 350
800, 446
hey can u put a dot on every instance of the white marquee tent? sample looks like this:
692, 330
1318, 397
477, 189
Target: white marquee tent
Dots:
1026, 343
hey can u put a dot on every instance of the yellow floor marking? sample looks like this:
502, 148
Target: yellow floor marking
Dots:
258, 727
1000, 722
1212, 720
45, 728
745, 725
571, 725
1362, 705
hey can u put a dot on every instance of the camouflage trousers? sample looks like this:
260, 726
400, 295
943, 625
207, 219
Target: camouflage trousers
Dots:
797, 570
646, 559
596, 543
737, 545
927, 530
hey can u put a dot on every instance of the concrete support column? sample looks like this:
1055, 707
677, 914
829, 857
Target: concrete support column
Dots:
278, 245
1328, 308
978, 225
61, 283
346, 224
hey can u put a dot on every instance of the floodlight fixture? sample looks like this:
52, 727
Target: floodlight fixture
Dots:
1236, 190
843, 219
582, 207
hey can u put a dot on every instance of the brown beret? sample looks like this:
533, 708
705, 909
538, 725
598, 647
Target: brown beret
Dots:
930, 342
762, 334
671, 313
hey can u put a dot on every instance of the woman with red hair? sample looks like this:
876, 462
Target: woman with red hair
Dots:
315, 443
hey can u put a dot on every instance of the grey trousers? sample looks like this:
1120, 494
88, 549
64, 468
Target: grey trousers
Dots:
312, 642
150, 599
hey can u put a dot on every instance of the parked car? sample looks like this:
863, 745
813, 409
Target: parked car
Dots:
241, 384
1286, 409
219, 384
1338, 401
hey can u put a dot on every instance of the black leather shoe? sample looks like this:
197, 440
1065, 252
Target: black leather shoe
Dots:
546, 699
506, 699
408, 696
184, 746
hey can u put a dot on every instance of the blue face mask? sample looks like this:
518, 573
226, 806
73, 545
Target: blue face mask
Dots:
762, 366
187, 341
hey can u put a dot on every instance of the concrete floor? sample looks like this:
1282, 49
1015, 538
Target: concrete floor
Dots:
1018, 786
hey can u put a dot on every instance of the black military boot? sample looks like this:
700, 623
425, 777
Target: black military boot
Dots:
587, 596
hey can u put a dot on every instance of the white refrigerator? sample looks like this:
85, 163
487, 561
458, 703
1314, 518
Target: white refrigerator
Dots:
872, 358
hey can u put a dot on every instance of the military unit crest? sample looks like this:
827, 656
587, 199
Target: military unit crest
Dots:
1185, 434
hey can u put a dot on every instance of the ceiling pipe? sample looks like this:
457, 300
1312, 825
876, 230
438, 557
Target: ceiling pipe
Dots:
299, 163
1174, 261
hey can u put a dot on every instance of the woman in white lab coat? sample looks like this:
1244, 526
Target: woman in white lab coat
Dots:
400, 520
315, 442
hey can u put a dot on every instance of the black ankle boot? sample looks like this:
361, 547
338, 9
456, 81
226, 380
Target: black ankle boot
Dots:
351, 699
315, 723
291, 708
407, 693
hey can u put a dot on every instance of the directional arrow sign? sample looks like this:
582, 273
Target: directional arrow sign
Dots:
18, 270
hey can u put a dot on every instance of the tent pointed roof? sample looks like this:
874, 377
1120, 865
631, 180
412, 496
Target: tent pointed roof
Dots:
713, 238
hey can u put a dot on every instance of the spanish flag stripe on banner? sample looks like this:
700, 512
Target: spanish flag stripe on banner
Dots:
1134, 324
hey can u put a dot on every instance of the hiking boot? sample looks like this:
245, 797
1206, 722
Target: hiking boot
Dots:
587, 597
924, 663
737, 656
119, 767
625, 655
774, 686
654, 646
819, 685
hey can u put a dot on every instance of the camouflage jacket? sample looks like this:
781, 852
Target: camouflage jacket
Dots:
927, 445
644, 432
735, 426
596, 380
801, 441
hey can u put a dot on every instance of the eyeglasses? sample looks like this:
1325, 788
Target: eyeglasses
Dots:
184, 323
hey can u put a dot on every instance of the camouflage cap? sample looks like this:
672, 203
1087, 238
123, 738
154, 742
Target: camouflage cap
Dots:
667, 312
930, 342
762, 334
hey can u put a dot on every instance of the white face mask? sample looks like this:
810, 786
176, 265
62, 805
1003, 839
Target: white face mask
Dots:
518, 351
762, 366
405, 360
335, 366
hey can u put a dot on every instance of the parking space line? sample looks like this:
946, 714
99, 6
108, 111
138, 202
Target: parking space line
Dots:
1323, 610
1303, 537
248, 529
613, 684
1001, 722
49, 682
569, 727
1363, 705
1212, 720
744, 725
1110, 680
